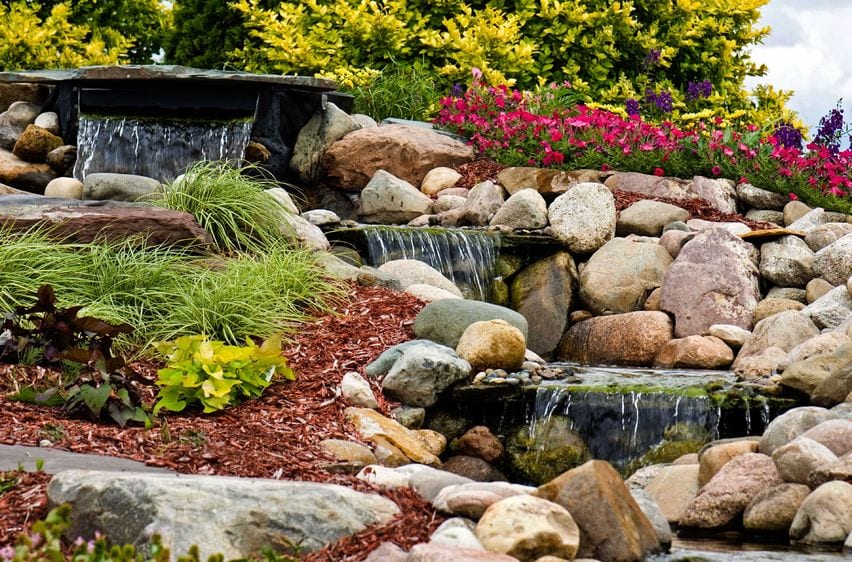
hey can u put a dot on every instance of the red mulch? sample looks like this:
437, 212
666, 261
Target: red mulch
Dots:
478, 171
276, 436
23, 504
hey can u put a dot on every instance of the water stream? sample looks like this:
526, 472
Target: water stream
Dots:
466, 257
157, 148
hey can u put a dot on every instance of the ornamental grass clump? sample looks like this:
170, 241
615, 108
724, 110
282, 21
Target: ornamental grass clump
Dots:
229, 204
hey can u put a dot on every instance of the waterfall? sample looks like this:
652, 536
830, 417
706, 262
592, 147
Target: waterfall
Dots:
466, 257
155, 147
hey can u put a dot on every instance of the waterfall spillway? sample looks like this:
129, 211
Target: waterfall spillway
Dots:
466, 257
157, 148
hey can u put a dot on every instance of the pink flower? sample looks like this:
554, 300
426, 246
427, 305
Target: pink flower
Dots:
716, 170
659, 172
793, 197
477, 74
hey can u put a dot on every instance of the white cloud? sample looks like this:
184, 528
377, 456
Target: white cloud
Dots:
810, 52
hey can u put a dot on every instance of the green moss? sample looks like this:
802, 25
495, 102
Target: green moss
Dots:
553, 449
30, 395
665, 452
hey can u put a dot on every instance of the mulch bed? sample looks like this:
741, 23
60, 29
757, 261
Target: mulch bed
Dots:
276, 436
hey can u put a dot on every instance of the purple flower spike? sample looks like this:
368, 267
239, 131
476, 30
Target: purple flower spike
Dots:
632, 107
788, 136
652, 58
664, 102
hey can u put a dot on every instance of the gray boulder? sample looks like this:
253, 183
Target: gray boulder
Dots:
790, 425
422, 372
583, 218
761, 198
327, 126
482, 203
826, 234
825, 516
787, 262
524, 210
834, 262
389, 199
120, 187
445, 321
414, 272
648, 218
233, 516
831, 309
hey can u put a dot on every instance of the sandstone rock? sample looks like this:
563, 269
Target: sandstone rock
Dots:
472, 499
712, 459
798, 458
527, 528
422, 372
734, 336
406, 152
694, 352
439, 179
87, 224
816, 289
784, 330
648, 217
434, 442
204, 510
652, 303
429, 293
836, 435
35, 143
831, 309
674, 488
655, 516
770, 307
389, 199
515, 179
357, 391
620, 274
798, 295
321, 217
825, 516
583, 218
790, 425
434, 552
370, 424
712, 281
524, 210
445, 321
24, 175
66, 188
730, 491
482, 203
634, 338
826, 234
773, 509
787, 262
327, 125
833, 263
479, 442
761, 198
474, 468
612, 526
410, 272
120, 187
348, 451
543, 294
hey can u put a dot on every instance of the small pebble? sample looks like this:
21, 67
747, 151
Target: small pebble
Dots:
497, 380
513, 382
536, 379
45, 443
478, 378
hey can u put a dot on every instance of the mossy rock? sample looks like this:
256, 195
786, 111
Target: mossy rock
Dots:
686, 432
499, 292
553, 449
665, 452
449, 424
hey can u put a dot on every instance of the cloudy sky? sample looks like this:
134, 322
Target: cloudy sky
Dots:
809, 51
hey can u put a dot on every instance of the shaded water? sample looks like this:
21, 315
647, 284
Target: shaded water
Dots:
158, 148
466, 257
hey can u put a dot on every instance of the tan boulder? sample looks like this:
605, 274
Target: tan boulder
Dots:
769, 307
633, 338
674, 488
34, 144
825, 516
612, 525
528, 527
405, 151
694, 352
434, 442
493, 344
712, 459
784, 330
439, 179
801, 456
66, 188
371, 424
773, 509
348, 451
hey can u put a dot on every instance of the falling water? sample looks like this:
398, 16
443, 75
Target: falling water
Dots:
466, 257
157, 148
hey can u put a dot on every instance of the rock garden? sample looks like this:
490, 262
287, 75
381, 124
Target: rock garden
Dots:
407, 347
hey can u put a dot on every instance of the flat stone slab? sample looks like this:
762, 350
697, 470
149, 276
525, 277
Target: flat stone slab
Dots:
13, 457
771, 233
148, 72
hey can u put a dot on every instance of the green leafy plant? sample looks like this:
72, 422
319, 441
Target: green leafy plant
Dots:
214, 374
406, 92
231, 205
8, 480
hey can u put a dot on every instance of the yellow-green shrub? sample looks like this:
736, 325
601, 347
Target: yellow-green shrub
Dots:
28, 41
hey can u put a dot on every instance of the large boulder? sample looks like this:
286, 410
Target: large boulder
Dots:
648, 218
105, 186
714, 280
415, 272
327, 125
492, 344
773, 509
633, 338
831, 309
445, 321
24, 175
836, 435
405, 151
233, 516
528, 528
612, 525
790, 425
798, 458
674, 488
524, 210
787, 262
714, 457
620, 275
719, 193
543, 293
694, 352
388, 199
583, 218
784, 330
730, 491
761, 198
825, 516
422, 372
482, 203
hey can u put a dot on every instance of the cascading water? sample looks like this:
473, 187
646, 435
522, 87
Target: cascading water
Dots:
466, 257
158, 148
